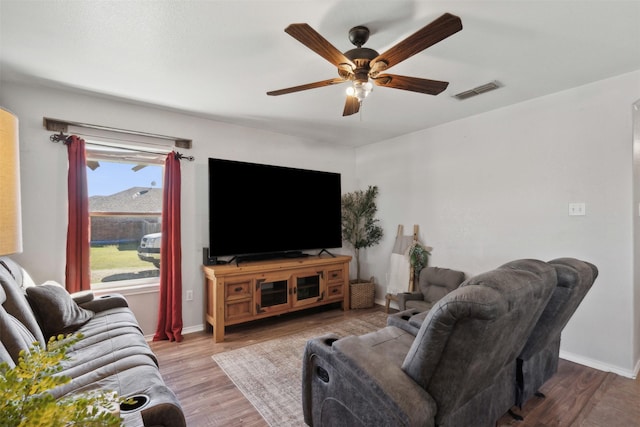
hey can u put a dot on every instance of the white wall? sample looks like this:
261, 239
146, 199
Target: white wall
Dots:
495, 187
44, 171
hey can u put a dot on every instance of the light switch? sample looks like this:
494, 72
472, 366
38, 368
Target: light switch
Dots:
577, 209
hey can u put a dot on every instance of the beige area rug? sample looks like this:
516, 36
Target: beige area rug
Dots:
269, 374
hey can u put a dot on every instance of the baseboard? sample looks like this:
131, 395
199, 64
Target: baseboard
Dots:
379, 303
595, 364
193, 329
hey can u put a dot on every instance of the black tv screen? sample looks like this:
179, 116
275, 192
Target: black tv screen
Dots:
263, 209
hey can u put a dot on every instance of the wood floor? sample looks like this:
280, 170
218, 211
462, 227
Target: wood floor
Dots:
575, 396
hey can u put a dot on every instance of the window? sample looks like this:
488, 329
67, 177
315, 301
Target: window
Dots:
125, 210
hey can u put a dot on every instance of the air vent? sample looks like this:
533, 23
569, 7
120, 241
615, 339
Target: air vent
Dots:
477, 90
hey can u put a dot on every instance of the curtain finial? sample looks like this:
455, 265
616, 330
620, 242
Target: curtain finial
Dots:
59, 137
179, 156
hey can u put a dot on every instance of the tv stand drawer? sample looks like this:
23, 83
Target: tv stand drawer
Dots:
335, 275
239, 289
335, 291
238, 310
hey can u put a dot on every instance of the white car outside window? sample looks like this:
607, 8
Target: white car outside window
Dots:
149, 249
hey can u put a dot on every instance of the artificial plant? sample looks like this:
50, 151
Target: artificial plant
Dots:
359, 226
418, 256
24, 392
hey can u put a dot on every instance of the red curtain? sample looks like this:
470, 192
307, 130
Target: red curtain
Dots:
170, 310
77, 273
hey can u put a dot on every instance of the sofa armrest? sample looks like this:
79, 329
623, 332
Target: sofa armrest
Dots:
353, 385
105, 302
82, 297
164, 409
403, 297
401, 320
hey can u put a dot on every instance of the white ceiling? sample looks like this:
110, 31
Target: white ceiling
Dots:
216, 59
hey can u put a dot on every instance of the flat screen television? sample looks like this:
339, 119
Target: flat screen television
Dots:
258, 209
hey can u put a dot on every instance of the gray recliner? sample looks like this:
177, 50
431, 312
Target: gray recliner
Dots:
538, 361
433, 284
459, 369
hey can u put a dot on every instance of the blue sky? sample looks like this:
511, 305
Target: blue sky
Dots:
111, 178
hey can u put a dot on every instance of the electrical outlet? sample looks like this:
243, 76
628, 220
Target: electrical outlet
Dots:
577, 209
189, 295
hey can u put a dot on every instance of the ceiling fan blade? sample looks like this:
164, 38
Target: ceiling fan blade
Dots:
323, 83
414, 84
429, 35
314, 41
351, 106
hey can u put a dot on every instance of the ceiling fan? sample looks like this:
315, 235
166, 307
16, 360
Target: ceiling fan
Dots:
362, 66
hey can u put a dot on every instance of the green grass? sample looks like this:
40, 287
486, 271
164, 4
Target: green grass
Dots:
110, 257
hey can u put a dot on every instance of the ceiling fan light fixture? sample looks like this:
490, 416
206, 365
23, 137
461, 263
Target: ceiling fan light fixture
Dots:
360, 89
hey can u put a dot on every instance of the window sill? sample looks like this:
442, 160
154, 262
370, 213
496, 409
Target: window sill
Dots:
139, 289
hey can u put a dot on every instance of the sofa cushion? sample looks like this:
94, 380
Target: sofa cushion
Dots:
476, 308
419, 305
14, 336
14, 280
436, 282
56, 310
107, 333
5, 357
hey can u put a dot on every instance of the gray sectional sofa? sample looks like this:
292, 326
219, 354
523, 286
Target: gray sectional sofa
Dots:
111, 356
461, 364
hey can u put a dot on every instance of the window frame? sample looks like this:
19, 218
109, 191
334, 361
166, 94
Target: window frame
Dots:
127, 285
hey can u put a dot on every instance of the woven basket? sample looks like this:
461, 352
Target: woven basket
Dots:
362, 294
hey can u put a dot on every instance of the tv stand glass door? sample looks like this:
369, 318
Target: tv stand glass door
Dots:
272, 293
308, 288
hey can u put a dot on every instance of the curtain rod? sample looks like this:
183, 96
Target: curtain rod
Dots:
61, 137
58, 125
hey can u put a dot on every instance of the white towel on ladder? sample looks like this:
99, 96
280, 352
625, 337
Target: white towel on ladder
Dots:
399, 266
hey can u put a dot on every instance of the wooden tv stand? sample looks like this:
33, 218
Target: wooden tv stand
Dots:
255, 290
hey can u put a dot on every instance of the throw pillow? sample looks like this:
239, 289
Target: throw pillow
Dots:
56, 310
